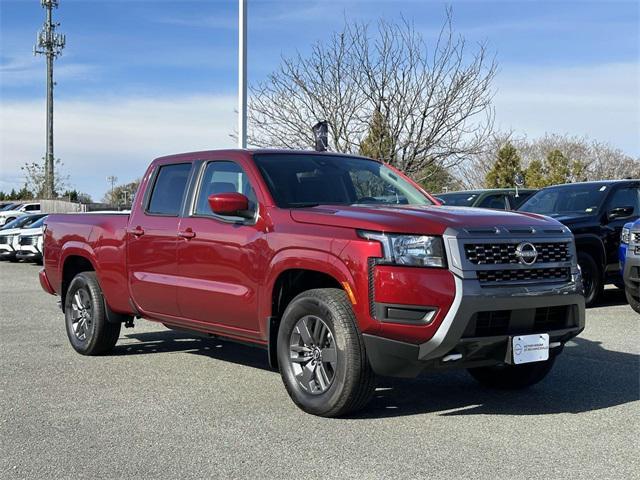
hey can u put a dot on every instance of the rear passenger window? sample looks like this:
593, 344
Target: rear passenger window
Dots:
168, 190
31, 208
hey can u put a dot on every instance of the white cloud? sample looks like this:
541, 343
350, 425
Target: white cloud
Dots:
600, 101
97, 138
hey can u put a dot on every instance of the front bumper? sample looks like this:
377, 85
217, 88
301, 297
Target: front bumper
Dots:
456, 343
29, 252
631, 273
7, 251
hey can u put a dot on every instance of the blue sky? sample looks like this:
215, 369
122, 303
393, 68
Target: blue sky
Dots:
144, 78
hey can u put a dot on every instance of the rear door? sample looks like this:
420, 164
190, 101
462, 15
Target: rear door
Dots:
152, 239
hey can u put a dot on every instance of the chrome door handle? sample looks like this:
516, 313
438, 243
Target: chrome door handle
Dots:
187, 234
138, 231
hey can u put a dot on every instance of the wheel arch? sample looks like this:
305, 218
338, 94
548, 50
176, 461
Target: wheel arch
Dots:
592, 245
293, 272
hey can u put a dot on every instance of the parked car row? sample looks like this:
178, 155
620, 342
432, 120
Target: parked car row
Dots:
595, 212
21, 238
9, 212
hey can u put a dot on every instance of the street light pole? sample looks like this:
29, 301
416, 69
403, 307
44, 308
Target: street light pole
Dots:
50, 44
242, 73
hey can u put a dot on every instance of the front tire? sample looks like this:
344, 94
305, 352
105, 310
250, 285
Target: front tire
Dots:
512, 377
86, 322
633, 301
321, 354
591, 279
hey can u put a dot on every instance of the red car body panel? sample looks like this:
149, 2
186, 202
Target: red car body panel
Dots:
221, 278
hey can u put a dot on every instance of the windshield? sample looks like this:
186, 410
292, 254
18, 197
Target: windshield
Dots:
38, 223
22, 222
304, 180
582, 199
11, 206
461, 199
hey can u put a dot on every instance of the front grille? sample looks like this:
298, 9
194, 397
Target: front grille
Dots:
521, 322
28, 240
635, 237
6, 239
550, 318
489, 324
505, 253
524, 275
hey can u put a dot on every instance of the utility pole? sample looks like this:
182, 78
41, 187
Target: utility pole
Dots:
112, 180
242, 73
50, 44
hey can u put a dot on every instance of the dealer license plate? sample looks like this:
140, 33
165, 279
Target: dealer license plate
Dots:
530, 348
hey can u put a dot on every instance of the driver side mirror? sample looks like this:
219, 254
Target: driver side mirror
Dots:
230, 204
620, 212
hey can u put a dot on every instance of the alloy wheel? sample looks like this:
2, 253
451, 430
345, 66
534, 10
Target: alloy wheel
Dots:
81, 315
313, 355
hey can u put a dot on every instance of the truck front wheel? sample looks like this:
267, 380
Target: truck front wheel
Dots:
512, 377
321, 354
633, 300
88, 330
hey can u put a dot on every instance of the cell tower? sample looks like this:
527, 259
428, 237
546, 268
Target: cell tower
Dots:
50, 44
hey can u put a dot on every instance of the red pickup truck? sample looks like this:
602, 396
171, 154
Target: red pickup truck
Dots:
339, 266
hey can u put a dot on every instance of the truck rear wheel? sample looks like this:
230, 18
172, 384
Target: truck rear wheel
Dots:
321, 354
88, 330
512, 377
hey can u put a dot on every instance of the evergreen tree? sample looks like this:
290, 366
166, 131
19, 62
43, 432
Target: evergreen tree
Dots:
505, 168
534, 176
378, 143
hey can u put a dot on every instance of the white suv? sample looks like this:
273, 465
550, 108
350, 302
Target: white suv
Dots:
8, 215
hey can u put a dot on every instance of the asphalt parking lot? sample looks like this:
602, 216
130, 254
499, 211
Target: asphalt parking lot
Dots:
168, 405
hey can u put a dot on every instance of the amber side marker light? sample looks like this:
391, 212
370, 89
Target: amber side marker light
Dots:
347, 289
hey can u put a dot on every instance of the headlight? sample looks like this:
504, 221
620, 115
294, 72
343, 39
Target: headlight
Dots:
15, 241
626, 235
415, 250
39, 243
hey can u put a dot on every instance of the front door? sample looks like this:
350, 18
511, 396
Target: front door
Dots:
627, 196
152, 239
220, 259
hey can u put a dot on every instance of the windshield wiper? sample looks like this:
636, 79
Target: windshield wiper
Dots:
303, 205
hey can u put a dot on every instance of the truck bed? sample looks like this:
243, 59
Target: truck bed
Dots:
99, 236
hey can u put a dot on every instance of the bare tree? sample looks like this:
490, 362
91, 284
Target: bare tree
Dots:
435, 99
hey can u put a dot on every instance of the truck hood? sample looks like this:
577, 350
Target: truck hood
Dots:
11, 231
574, 219
427, 219
27, 232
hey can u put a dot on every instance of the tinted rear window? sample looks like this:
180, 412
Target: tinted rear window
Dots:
168, 189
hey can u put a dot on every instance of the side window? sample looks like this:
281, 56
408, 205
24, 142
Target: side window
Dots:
519, 200
626, 197
223, 177
494, 201
32, 207
168, 189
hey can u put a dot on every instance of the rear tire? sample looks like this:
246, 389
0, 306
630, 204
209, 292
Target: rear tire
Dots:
591, 279
88, 330
512, 377
322, 358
